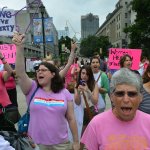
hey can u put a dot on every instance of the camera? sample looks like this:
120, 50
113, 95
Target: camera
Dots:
82, 82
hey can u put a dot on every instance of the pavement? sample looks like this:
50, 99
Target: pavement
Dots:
21, 101
23, 106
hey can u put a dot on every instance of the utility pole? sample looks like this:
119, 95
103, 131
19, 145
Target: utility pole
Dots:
42, 9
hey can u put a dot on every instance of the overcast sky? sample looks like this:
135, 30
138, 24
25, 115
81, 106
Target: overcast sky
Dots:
69, 11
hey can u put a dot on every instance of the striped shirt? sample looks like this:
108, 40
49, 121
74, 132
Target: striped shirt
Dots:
145, 104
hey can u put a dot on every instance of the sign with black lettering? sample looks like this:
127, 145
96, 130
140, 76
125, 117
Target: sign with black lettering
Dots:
9, 52
7, 22
116, 53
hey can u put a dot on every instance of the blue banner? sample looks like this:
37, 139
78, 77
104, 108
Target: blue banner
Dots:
37, 30
48, 26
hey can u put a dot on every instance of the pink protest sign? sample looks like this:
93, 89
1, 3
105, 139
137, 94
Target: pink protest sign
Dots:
116, 53
9, 52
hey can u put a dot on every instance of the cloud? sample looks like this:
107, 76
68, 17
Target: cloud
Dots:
70, 11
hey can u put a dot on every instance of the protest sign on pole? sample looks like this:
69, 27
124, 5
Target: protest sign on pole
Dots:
7, 22
116, 53
9, 52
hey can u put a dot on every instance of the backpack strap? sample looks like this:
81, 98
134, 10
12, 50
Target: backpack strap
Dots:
31, 99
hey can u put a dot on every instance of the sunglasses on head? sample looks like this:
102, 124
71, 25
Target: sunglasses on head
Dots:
122, 93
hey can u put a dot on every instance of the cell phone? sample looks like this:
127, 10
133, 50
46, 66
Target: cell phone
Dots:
82, 82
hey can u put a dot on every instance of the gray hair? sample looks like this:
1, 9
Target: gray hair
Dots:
125, 76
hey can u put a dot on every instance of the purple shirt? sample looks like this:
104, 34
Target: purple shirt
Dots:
48, 124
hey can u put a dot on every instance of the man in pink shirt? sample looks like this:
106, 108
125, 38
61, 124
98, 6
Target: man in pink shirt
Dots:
124, 127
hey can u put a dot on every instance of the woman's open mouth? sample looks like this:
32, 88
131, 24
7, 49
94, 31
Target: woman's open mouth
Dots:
126, 110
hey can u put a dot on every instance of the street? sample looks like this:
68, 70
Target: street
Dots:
22, 102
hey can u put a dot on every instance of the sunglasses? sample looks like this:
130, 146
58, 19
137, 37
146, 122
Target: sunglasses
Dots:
122, 93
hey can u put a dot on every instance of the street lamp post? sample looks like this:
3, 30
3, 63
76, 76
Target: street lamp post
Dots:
42, 9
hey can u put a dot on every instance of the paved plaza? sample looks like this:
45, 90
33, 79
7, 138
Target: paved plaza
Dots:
23, 106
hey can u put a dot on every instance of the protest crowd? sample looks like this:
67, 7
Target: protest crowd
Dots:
66, 103
70, 102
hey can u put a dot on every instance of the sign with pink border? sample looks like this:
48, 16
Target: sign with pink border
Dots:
116, 53
9, 52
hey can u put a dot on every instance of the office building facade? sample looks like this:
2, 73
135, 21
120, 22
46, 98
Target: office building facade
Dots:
63, 33
89, 25
115, 22
24, 24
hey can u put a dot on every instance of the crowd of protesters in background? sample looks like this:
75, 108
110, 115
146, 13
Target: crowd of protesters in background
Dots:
73, 94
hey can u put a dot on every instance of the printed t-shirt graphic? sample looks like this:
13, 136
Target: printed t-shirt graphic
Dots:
48, 102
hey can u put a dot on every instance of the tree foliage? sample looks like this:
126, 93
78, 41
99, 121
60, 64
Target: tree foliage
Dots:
140, 31
92, 44
64, 40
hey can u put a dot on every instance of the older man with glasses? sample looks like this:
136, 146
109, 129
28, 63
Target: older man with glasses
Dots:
124, 127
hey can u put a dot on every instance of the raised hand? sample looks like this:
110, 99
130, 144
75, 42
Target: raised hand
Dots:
73, 46
18, 39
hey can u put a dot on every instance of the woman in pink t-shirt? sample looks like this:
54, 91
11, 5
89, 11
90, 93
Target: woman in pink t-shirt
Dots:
4, 98
10, 85
71, 76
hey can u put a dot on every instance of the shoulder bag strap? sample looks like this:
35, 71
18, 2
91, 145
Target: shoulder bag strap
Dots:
87, 106
99, 76
31, 98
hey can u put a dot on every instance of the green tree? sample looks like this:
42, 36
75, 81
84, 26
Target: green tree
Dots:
67, 42
64, 40
140, 31
92, 44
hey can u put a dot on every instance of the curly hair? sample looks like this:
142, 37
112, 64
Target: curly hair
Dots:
125, 76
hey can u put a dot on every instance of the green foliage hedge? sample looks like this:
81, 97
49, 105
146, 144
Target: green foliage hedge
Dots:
31, 74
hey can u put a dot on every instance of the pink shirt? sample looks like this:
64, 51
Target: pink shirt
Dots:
4, 98
69, 74
106, 132
10, 83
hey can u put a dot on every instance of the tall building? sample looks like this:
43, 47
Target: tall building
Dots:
115, 22
63, 33
89, 25
42, 13
24, 23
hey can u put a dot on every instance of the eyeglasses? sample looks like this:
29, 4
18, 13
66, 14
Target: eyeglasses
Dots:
42, 70
131, 94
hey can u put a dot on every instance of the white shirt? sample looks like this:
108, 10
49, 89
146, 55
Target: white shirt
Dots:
1, 67
5, 145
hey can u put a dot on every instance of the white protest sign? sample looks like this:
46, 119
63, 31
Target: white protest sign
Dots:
7, 22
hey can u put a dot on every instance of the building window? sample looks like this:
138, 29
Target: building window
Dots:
126, 15
126, 24
119, 17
